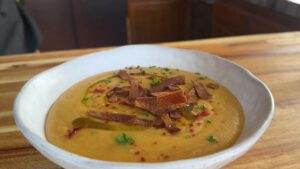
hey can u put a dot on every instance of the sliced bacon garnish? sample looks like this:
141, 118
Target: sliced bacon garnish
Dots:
119, 91
162, 102
126, 119
169, 124
200, 90
175, 115
170, 100
136, 90
119, 95
173, 81
192, 96
124, 75
147, 103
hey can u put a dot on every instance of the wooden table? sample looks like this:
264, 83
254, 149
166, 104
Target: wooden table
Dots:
274, 58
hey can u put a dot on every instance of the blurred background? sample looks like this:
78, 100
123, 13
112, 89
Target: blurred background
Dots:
72, 24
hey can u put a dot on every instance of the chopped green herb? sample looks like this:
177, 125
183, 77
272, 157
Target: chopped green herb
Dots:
199, 107
166, 69
203, 77
208, 121
154, 81
124, 139
84, 100
152, 67
197, 73
212, 140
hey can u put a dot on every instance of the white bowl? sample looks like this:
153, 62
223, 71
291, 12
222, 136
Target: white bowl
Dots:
38, 94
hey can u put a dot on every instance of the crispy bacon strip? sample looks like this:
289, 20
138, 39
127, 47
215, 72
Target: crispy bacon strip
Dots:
119, 95
169, 124
124, 75
200, 90
173, 81
147, 103
192, 96
136, 90
174, 115
124, 118
162, 102
170, 100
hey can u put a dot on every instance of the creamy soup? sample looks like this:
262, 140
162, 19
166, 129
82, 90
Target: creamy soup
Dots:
145, 115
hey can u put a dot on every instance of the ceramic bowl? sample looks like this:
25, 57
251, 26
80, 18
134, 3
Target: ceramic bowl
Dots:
39, 93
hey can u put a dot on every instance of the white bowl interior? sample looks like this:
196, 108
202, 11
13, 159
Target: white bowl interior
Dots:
36, 97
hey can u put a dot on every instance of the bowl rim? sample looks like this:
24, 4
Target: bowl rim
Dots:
247, 143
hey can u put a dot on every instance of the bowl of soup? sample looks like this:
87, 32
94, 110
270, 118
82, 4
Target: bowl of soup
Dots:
144, 106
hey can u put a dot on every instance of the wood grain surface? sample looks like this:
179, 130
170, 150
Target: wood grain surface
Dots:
274, 58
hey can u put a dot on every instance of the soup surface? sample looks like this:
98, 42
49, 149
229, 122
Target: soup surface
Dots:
145, 115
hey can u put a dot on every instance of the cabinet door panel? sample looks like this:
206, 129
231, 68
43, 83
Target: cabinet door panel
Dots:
157, 20
100, 22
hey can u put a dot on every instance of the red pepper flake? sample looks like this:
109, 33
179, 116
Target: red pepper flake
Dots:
71, 132
106, 105
191, 130
191, 124
162, 154
193, 135
154, 142
166, 157
137, 152
205, 113
143, 159
164, 133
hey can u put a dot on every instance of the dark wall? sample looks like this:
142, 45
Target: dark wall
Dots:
55, 20
69, 24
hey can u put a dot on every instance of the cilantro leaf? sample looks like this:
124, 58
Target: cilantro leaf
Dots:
84, 100
124, 139
208, 121
199, 107
211, 139
155, 81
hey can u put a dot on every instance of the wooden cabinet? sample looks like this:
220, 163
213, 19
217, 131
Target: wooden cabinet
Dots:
157, 20
236, 17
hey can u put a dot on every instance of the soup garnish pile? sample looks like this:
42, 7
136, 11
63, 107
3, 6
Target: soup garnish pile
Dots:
145, 114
